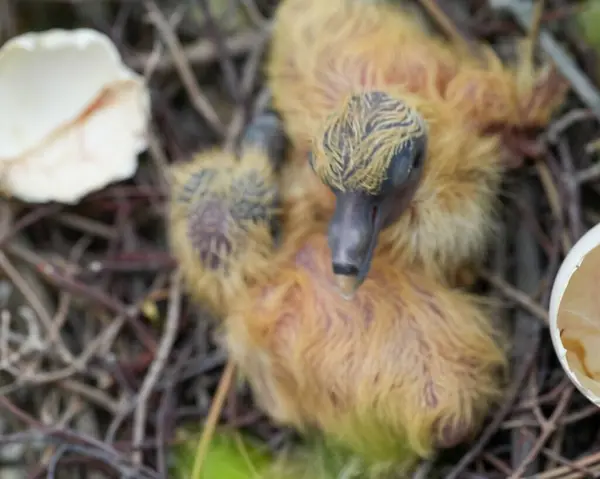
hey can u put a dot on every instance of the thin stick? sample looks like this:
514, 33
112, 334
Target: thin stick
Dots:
522, 299
553, 200
527, 51
532, 36
158, 365
505, 408
527, 331
566, 472
201, 52
198, 99
444, 22
213, 416
565, 63
547, 429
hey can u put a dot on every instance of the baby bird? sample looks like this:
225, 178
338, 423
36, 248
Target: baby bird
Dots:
403, 129
403, 367
223, 215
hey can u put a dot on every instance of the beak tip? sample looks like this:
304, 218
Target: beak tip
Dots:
347, 285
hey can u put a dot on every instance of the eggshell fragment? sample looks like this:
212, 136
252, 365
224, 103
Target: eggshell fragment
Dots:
74, 117
575, 314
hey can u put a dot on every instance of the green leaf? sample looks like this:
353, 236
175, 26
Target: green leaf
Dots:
589, 19
229, 456
234, 456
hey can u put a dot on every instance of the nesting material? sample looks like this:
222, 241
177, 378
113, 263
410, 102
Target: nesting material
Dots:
74, 117
575, 315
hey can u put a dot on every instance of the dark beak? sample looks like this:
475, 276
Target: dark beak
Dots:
353, 232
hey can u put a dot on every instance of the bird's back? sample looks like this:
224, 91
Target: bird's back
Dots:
323, 51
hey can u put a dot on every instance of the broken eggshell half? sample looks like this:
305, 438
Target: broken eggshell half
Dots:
74, 117
575, 314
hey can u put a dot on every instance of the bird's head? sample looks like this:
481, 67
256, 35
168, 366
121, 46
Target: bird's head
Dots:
370, 153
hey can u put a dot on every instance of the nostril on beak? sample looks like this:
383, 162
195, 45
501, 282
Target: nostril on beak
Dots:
345, 269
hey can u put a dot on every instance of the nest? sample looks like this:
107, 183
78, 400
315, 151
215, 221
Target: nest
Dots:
103, 357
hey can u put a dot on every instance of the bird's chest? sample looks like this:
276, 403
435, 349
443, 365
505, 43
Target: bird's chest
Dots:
304, 294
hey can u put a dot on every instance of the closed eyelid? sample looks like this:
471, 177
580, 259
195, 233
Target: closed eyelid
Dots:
401, 166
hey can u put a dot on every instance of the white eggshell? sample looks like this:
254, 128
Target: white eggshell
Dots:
575, 314
74, 117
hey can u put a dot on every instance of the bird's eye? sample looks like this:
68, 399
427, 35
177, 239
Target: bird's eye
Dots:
405, 164
400, 168
418, 159
311, 159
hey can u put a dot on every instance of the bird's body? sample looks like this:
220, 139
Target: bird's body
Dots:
403, 366
397, 128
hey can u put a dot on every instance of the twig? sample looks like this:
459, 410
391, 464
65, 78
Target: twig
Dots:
497, 463
581, 472
558, 126
247, 84
424, 470
78, 364
534, 30
25, 289
165, 410
212, 419
87, 225
573, 192
565, 420
160, 159
585, 89
53, 274
29, 219
162, 355
51, 434
527, 330
199, 101
566, 472
509, 398
254, 13
201, 52
94, 395
554, 201
446, 24
518, 297
56, 276
229, 73
592, 173
547, 429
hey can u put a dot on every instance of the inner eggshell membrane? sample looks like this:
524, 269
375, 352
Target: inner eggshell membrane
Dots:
579, 322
